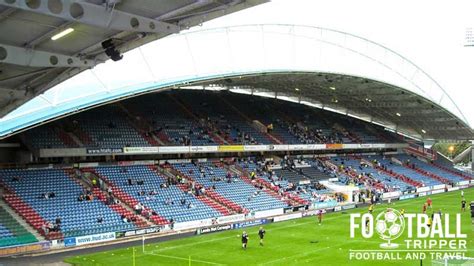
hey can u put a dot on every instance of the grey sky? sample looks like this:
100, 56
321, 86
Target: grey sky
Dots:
429, 33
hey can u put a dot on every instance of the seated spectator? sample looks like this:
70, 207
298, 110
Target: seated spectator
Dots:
45, 228
80, 198
90, 197
146, 213
100, 220
110, 200
55, 227
138, 208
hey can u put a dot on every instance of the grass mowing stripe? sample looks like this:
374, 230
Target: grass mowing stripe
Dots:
300, 254
229, 237
293, 242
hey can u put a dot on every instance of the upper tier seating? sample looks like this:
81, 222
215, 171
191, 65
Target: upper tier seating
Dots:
204, 118
167, 117
108, 127
43, 137
77, 218
212, 110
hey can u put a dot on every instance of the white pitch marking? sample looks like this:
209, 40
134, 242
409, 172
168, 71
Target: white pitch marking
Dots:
187, 259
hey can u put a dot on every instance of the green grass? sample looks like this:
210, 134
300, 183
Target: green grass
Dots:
295, 242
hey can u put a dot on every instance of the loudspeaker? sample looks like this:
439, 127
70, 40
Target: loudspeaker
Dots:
111, 51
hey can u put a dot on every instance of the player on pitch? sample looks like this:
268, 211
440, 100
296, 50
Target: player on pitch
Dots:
245, 240
261, 234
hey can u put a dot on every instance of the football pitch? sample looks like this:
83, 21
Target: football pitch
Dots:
294, 242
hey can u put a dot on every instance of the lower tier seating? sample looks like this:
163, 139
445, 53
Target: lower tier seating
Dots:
169, 202
53, 195
387, 162
13, 233
233, 188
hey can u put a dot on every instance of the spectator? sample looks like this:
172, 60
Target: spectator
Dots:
138, 208
45, 228
171, 223
90, 197
100, 220
147, 213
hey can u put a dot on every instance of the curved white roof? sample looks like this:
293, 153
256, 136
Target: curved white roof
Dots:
210, 56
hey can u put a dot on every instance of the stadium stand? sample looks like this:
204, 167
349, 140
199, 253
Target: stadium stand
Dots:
448, 168
429, 169
232, 187
157, 193
11, 232
190, 191
42, 196
109, 127
186, 117
48, 136
405, 171
377, 178
136, 197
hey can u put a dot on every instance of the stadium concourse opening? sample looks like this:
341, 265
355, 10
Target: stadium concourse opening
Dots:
288, 150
